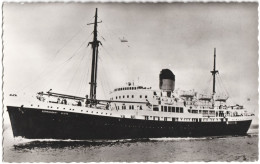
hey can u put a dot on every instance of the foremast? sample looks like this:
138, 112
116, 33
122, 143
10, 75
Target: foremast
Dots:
214, 72
95, 44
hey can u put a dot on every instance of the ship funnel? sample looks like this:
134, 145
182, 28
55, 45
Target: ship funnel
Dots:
167, 80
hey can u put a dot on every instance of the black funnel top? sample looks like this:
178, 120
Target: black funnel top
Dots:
167, 74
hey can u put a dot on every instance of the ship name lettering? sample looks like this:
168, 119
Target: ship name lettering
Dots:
64, 113
45, 111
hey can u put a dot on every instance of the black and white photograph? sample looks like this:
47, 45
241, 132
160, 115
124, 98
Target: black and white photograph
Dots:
130, 82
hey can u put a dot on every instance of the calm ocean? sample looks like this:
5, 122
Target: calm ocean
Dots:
224, 148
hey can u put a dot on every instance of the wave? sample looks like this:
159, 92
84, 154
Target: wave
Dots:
21, 140
25, 140
254, 126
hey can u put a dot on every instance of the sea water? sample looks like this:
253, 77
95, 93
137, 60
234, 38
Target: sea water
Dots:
221, 148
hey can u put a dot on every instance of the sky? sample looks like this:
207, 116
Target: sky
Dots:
45, 46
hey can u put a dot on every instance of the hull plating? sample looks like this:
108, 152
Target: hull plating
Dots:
34, 124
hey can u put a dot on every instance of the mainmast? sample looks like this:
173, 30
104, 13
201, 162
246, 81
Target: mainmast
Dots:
95, 43
214, 72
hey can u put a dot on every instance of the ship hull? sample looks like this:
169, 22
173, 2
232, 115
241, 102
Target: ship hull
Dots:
35, 124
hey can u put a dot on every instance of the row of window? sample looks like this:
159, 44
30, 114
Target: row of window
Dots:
201, 111
156, 118
169, 109
131, 107
131, 88
127, 96
132, 116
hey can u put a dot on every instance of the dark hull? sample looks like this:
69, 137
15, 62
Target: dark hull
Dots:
34, 124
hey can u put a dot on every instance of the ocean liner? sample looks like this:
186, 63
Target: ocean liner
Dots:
133, 111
